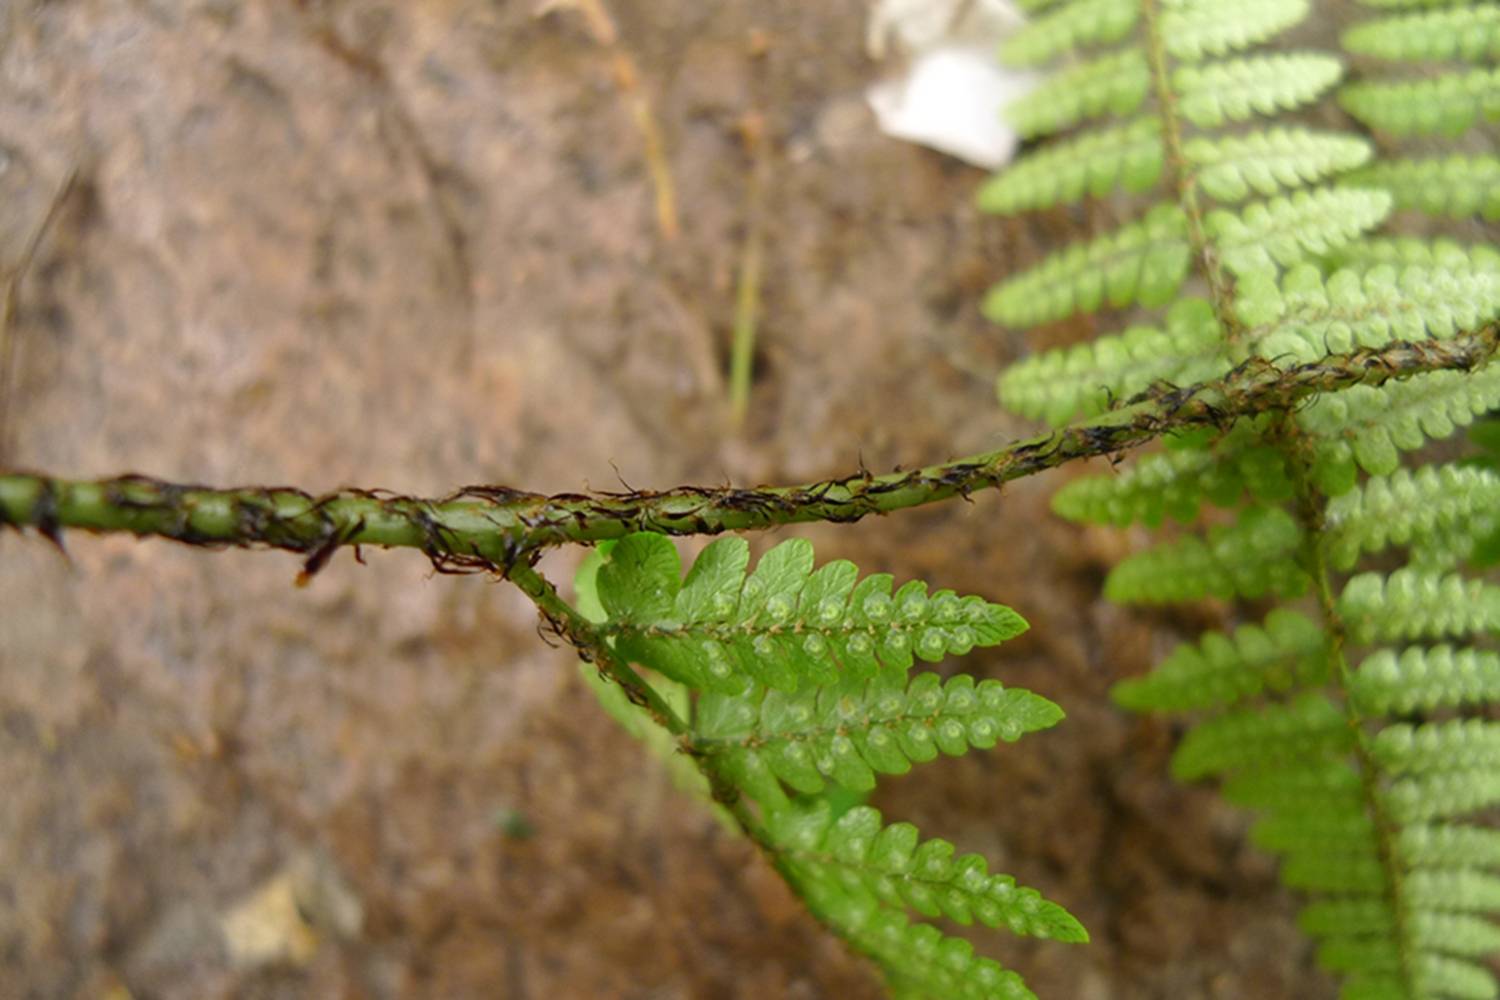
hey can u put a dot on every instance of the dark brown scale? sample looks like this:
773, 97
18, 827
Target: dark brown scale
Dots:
331, 543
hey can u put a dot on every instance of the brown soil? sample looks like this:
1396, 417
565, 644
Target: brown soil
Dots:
413, 245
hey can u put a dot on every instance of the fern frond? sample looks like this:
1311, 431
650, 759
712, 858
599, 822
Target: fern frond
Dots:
1125, 156
1444, 795
1457, 934
1436, 975
1437, 746
1367, 428
1412, 604
1287, 652
1447, 845
1356, 872
890, 862
1177, 481
1084, 379
1143, 262
1128, 157
1309, 727
1453, 890
1406, 250
1339, 917
1250, 558
1379, 4
1240, 89
1355, 812
1303, 786
1419, 679
847, 733
1115, 84
1455, 186
1231, 168
919, 960
784, 625
1284, 231
1307, 316
1344, 827
1470, 33
1444, 105
1192, 31
1380, 974
1439, 511
1075, 26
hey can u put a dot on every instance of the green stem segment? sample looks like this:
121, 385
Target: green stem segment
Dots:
584, 636
589, 641
1180, 174
494, 528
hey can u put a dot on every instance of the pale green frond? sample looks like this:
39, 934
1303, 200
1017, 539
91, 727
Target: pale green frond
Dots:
1177, 481
1404, 748
1284, 231
1309, 727
1127, 156
1442, 795
919, 960
903, 871
1438, 511
1287, 652
1381, 4
1453, 933
1240, 89
783, 626
1365, 427
1441, 254
1421, 679
1440, 976
1070, 28
1444, 105
1467, 33
1112, 85
1143, 262
1253, 557
1448, 845
1232, 168
1453, 890
1202, 28
1084, 379
849, 732
1413, 604
1459, 187
1306, 316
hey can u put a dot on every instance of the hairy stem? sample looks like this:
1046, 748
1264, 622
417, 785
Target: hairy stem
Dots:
488, 528
583, 636
589, 641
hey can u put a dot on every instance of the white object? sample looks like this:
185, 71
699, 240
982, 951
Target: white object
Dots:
953, 90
